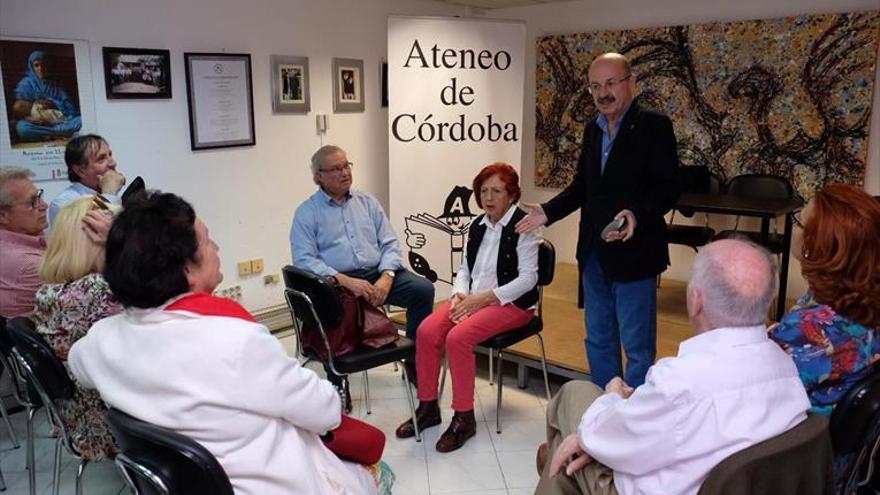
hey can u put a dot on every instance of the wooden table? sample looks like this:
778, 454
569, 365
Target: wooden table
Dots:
765, 209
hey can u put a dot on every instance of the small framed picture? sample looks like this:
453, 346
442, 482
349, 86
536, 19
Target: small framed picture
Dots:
137, 73
348, 85
290, 84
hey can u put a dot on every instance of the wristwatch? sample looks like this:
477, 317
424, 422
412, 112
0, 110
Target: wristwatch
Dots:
390, 273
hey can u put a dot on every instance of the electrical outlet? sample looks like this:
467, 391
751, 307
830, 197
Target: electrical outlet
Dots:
256, 265
233, 292
244, 268
272, 278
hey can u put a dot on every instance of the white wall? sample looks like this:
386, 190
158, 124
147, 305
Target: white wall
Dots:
245, 195
599, 15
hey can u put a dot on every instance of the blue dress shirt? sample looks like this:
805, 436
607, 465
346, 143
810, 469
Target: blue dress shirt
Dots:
76, 190
327, 238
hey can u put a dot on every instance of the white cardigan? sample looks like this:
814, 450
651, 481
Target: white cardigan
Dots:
229, 384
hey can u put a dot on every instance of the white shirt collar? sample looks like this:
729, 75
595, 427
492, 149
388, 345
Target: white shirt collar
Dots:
503, 222
726, 336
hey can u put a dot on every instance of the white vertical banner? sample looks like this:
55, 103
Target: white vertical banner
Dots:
455, 92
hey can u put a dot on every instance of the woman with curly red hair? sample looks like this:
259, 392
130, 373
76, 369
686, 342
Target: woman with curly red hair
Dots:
833, 332
494, 291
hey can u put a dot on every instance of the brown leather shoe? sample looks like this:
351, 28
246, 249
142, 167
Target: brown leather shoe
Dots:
427, 414
541, 457
463, 426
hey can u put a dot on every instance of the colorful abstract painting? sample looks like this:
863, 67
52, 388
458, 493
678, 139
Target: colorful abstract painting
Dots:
789, 97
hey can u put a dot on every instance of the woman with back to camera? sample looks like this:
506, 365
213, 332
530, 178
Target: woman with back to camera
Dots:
181, 358
73, 297
833, 332
494, 291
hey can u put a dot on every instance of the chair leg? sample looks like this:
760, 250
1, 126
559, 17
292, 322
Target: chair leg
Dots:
8, 424
544, 365
500, 386
56, 468
367, 391
442, 379
79, 475
491, 378
2, 482
412, 403
31, 463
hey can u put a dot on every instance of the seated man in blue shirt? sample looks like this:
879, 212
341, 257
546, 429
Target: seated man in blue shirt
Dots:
91, 170
342, 233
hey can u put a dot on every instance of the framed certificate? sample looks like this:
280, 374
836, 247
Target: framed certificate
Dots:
220, 94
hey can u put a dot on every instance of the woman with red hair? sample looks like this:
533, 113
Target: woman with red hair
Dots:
494, 291
833, 332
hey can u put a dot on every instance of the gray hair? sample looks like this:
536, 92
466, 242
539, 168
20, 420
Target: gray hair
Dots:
725, 303
319, 156
9, 174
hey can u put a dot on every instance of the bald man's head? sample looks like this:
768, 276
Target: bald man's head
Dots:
734, 282
614, 59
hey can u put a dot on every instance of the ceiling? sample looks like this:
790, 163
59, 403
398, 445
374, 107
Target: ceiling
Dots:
498, 4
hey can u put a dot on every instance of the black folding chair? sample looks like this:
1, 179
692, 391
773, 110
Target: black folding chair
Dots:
314, 303
45, 373
855, 429
158, 461
761, 186
695, 180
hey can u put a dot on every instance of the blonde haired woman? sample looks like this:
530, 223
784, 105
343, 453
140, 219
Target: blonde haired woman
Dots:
73, 297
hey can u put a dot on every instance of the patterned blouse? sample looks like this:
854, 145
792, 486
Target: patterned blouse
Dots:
832, 353
63, 314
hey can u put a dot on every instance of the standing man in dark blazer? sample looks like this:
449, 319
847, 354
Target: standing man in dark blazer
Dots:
628, 168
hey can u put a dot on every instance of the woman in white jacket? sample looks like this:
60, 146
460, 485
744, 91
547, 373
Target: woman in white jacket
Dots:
184, 359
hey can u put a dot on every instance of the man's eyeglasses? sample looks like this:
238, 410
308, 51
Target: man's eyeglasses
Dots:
338, 169
33, 202
796, 217
608, 86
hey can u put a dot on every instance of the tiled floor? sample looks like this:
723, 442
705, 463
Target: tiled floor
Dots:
489, 464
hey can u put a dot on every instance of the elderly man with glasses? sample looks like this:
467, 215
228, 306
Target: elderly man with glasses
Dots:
22, 241
343, 233
627, 172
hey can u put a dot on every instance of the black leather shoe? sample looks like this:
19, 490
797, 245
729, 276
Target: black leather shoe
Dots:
427, 414
463, 426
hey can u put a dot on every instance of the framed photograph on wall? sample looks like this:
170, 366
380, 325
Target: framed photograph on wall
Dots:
137, 73
290, 84
219, 90
47, 99
348, 85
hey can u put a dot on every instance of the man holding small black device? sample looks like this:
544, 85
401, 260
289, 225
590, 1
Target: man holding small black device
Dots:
626, 180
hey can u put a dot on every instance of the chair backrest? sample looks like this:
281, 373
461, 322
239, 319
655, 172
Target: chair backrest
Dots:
761, 186
546, 262
320, 292
716, 185
5, 339
151, 453
796, 462
694, 179
41, 365
855, 413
